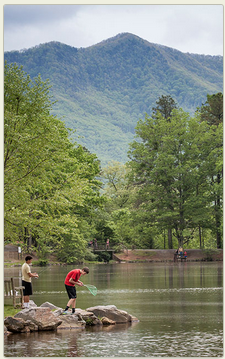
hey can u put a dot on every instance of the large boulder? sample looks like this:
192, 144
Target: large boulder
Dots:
32, 304
89, 317
49, 305
55, 310
40, 316
19, 325
111, 312
71, 321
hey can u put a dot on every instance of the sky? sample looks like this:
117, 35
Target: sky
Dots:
188, 28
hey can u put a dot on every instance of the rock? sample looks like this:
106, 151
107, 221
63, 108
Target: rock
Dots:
49, 305
49, 317
14, 325
19, 325
32, 326
58, 312
111, 312
107, 321
71, 321
40, 316
89, 317
134, 319
32, 304
55, 310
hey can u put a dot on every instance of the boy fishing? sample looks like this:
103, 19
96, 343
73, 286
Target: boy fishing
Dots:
71, 280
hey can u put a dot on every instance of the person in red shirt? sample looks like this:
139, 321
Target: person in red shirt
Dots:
71, 280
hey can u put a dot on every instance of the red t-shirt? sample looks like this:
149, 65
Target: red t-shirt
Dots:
74, 274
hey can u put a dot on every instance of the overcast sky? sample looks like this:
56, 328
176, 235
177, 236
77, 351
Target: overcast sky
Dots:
187, 28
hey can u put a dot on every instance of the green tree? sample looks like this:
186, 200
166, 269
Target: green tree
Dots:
169, 163
165, 106
212, 113
212, 110
117, 209
211, 171
49, 181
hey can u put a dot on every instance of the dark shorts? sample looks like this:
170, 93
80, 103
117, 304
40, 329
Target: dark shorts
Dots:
71, 291
28, 288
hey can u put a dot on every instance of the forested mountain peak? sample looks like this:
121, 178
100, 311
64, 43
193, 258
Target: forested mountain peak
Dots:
103, 90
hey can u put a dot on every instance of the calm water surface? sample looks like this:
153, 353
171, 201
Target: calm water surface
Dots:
179, 307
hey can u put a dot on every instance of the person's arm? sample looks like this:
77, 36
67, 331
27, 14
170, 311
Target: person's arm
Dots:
72, 281
32, 274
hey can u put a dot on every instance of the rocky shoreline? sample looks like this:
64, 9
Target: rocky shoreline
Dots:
48, 317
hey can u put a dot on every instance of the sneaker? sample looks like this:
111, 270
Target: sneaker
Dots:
65, 312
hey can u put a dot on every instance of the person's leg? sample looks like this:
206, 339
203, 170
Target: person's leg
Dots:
71, 302
71, 291
27, 291
26, 300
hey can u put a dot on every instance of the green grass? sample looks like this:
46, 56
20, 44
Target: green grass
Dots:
10, 311
10, 264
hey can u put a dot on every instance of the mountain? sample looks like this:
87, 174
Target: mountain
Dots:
103, 90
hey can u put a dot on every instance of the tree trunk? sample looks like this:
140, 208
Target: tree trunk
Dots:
218, 218
200, 236
170, 243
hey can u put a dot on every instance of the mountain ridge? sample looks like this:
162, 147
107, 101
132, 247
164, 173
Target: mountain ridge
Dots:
104, 89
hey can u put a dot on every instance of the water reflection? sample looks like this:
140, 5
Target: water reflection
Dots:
180, 308
62, 343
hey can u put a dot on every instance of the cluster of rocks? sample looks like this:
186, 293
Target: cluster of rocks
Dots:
50, 317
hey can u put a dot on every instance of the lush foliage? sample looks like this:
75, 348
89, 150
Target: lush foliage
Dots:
169, 193
177, 166
102, 90
50, 184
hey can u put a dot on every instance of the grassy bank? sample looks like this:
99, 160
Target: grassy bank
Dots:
10, 311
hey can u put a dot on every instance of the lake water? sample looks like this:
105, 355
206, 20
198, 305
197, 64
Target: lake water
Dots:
179, 307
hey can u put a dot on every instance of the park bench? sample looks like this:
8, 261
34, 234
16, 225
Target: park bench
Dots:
13, 295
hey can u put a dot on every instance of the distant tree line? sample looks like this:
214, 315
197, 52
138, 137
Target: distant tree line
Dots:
57, 197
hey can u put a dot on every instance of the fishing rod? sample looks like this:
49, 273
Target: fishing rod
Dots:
41, 272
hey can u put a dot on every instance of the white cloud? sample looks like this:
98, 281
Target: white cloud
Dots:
188, 28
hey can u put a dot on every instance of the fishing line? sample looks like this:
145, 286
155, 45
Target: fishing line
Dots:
41, 272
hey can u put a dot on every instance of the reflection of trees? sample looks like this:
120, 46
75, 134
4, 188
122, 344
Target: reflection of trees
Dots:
171, 277
73, 348
62, 344
220, 276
